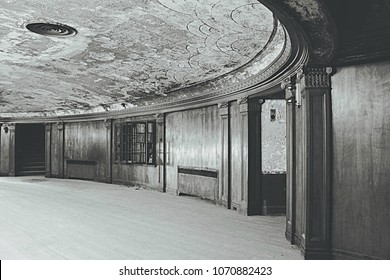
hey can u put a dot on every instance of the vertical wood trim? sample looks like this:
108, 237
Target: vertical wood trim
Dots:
244, 139
1, 148
291, 159
224, 192
109, 131
160, 150
61, 150
48, 129
12, 149
164, 152
305, 165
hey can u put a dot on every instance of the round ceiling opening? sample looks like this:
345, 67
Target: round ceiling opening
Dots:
52, 29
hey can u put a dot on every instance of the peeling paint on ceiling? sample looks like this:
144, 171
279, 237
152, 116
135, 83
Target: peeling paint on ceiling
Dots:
126, 53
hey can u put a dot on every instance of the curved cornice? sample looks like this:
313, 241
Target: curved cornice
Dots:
294, 55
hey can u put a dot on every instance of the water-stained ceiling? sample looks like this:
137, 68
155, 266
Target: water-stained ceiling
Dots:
127, 53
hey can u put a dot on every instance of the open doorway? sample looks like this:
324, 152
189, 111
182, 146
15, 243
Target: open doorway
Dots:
267, 155
30, 149
273, 156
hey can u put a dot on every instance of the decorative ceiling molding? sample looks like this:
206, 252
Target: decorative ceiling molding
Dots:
127, 54
242, 82
286, 65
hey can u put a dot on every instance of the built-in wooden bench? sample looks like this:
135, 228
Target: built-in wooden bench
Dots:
199, 182
80, 169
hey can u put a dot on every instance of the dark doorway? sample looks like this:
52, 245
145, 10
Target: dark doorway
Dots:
30, 149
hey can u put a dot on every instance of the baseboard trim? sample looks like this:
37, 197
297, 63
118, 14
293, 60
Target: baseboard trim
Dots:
135, 184
274, 210
347, 255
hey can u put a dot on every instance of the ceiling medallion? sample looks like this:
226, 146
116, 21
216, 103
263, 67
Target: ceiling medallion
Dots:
51, 29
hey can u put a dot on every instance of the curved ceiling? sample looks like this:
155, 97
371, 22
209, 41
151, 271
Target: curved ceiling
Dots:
128, 53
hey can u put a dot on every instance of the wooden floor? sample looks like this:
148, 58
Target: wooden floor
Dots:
70, 219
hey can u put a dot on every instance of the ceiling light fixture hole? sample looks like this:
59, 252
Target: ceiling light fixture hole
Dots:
51, 29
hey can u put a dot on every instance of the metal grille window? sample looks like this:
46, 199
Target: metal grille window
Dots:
136, 142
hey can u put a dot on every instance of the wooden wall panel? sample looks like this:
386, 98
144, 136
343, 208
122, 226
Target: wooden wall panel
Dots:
361, 161
193, 139
4, 156
87, 141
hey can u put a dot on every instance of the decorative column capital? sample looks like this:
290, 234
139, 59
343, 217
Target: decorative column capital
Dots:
315, 77
249, 105
242, 100
11, 127
108, 123
223, 105
288, 85
8, 127
223, 108
47, 126
160, 118
60, 125
243, 103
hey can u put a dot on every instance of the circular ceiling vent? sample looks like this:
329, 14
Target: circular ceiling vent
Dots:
51, 29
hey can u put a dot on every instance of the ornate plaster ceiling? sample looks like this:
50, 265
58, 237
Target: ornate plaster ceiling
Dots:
128, 53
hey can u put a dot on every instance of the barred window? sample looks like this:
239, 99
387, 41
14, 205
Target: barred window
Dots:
136, 142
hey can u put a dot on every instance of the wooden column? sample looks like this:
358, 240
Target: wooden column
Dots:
255, 206
12, 149
289, 88
4, 159
315, 89
48, 150
250, 110
224, 192
109, 131
61, 160
1, 148
160, 151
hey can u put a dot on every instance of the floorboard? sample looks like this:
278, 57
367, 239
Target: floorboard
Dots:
71, 219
